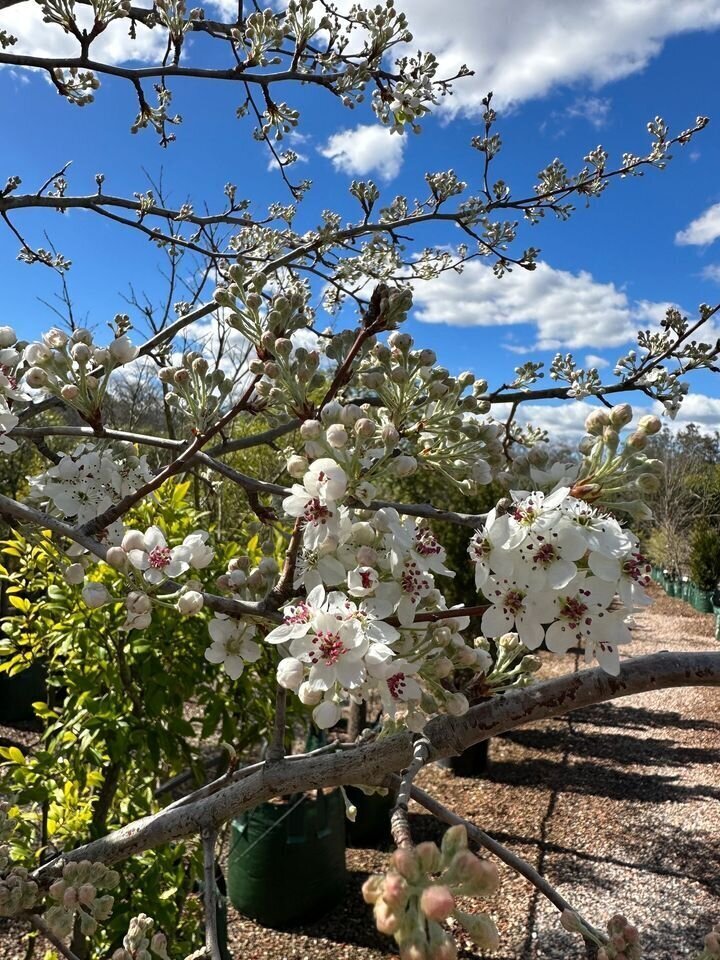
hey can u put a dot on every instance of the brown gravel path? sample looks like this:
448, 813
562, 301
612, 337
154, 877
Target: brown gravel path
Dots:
618, 805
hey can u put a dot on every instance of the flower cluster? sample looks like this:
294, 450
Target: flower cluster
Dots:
711, 949
378, 634
613, 471
76, 895
17, 891
623, 943
73, 367
140, 943
419, 892
558, 570
196, 389
85, 483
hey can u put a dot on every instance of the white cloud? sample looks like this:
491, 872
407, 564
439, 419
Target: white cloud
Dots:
593, 360
41, 39
366, 149
565, 421
568, 310
522, 49
704, 229
712, 272
595, 110
696, 408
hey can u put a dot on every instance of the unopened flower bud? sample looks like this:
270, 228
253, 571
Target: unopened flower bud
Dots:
69, 392
457, 704
74, 574
309, 696
395, 891
8, 337
336, 435
621, 415
650, 424
636, 441
36, 378
81, 353
95, 594
190, 603
290, 673
390, 435
311, 430
442, 667
596, 422
138, 602
86, 893
436, 902
365, 428
297, 466
405, 466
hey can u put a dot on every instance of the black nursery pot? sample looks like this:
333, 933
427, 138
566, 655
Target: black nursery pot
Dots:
472, 762
19, 692
371, 828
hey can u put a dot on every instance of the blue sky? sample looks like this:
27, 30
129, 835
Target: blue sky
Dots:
646, 243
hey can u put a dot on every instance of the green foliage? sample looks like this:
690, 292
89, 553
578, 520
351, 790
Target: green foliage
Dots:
705, 556
125, 712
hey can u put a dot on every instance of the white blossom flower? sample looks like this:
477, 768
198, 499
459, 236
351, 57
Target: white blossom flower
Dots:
232, 645
298, 618
513, 608
397, 683
487, 549
335, 647
122, 350
157, 560
362, 581
579, 610
201, 554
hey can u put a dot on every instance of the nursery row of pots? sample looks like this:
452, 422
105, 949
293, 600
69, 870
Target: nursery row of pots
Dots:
682, 588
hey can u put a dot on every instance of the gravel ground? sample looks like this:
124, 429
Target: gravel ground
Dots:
617, 805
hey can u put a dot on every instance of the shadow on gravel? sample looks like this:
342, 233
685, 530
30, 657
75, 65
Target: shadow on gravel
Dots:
620, 748
597, 780
693, 860
638, 718
350, 922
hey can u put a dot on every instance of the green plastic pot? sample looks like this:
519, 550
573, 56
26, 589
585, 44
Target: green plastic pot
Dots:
703, 600
286, 864
716, 611
371, 828
19, 692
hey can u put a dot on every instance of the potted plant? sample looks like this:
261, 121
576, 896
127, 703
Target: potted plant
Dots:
705, 565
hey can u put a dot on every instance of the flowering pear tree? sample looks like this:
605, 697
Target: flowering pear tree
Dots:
353, 609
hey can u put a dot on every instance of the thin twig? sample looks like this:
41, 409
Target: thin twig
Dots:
515, 862
212, 944
45, 930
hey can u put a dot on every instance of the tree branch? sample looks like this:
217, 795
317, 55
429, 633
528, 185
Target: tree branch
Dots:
371, 763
